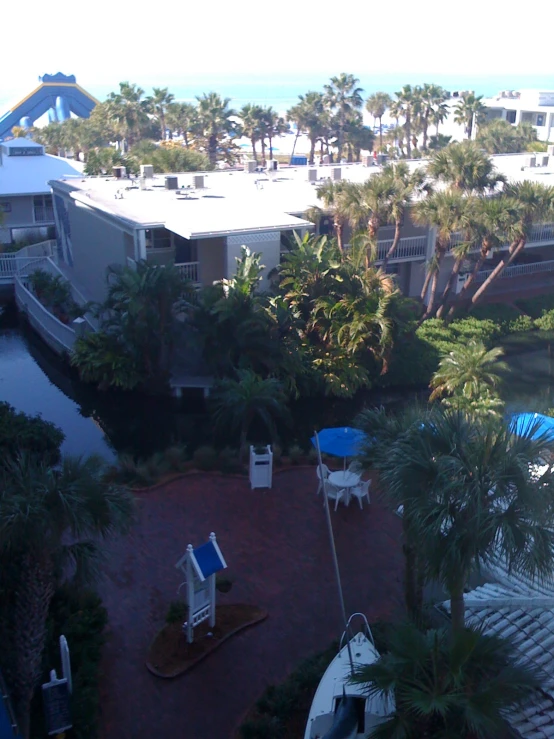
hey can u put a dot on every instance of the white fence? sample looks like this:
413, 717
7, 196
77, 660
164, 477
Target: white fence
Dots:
408, 248
188, 270
20, 262
517, 270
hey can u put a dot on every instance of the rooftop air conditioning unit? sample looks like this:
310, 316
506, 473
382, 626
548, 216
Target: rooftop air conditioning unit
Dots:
550, 150
198, 181
544, 161
336, 174
312, 175
367, 160
250, 166
530, 161
119, 173
147, 170
271, 165
171, 183
142, 183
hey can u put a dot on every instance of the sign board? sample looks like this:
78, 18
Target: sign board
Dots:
56, 699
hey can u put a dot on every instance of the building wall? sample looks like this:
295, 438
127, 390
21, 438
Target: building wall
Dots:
21, 213
89, 245
268, 244
212, 255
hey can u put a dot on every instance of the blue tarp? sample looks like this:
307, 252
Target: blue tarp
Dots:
340, 442
522, 423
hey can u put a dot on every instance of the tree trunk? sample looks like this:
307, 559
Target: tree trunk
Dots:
312, 150
338, 231
437, 129
426, 284
212, 149
395, 241
485, 249
294, 145
515, 249
410, 580
408, 125
253, 142
434, 284
373, 231
380, 132
263, 152
162, 124
270, 148
186, 139
425, 126
457, 608
449, 285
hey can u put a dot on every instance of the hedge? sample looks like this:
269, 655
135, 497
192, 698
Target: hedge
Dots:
20, 432
535, 307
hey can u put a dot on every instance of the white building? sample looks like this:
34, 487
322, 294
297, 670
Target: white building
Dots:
525, 106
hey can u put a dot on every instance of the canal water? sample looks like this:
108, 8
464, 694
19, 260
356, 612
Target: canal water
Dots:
35, 380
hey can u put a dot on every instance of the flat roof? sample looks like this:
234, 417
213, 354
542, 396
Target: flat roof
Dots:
237, 201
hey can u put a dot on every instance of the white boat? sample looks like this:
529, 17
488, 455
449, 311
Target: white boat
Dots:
340, 709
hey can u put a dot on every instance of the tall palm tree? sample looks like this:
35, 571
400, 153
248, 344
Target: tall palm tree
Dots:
237, 402
343, 96
445, 212
251, 116
432, 96
128, 110
309, 112
467, 486
438, 115
467, 376
51, 521
407, 104
215, 122
464, 167
182, 117
447, 685
406, 185
158, 103
330, 195
275, 125
535, 203
377, 105
469, 112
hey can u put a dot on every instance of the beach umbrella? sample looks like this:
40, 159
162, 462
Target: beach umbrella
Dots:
344, 441
522, 423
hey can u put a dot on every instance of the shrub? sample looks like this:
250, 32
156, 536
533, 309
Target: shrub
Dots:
520, 324
175, 457
277, 453
295, 453
205, 458
32, 434
176, 612
228, 461
536, 306
312, 454
473, 328
263, 727
546, 321
503, 315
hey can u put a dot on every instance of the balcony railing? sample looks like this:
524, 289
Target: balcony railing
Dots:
57, 335
12, 265
44, 214
411, 247
517, 270
541, 233
188, 271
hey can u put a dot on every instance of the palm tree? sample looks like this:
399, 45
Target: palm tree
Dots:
377, 105
309, 113
251, 116
275, 125
182, 117
237, 402
51, 520
438, 115
330, 194
432, 97
464, 167
535, 203
445, 212
469, 112
128, 111
447, 685
468, 379
215, 124
405, 186
343, 96
467, 486
407, 104
159, 103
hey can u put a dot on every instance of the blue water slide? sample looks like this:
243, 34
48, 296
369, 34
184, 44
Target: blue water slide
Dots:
58, 95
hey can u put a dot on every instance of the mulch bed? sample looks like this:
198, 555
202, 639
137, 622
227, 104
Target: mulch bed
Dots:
170, 654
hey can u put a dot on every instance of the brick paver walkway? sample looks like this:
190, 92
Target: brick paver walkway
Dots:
277, 549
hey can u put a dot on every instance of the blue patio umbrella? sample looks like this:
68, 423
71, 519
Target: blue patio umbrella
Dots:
521, 423
340, 442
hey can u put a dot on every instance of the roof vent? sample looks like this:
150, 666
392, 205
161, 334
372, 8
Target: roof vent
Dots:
119, 172
171, 183
147, 170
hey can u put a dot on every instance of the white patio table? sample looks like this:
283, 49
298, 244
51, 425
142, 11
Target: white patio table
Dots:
344, 479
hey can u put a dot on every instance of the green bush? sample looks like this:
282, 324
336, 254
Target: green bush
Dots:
295, 453
206, 458
536, 306
32, 434
469, 328
175, 457
546, 321
81, 618
506, 316
520, 324
177, 612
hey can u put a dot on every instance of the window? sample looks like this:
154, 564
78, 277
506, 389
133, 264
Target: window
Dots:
158, 238
5, 207
540, 119
511, 116
43, 209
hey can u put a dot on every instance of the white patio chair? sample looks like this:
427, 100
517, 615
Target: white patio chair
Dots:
334, 493
355, 467
361, 491
326, 471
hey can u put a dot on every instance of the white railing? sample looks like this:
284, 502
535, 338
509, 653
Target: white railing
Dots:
12, 265
517, 270
542, 232
44, 214
188, 270
56, 334
408, 248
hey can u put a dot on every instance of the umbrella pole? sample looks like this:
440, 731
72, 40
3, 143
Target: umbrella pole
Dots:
334, 551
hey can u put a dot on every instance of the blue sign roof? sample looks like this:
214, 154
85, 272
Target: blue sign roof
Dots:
209, 559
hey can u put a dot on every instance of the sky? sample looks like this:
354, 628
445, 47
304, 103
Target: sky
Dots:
172, 43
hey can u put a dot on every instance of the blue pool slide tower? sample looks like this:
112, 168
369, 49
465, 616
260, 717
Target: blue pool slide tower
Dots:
59, 95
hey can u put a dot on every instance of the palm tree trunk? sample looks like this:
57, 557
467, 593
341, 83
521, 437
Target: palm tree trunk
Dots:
270, 148
457, 608
426, 284
253, 142
162, 124
515, 249
312, 150
408, 125
373, 231
395, 241
425, 126
263, 152
338, 231
380, 132
449, 285
212, 149
186, 139
410, 579
471, 279
294, 145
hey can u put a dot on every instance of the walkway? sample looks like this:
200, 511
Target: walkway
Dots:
277, 549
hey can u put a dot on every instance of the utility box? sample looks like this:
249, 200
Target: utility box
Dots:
198, 181
544, 161
250, 166
336, 174
530, 161
271, 165
550, 150
367, 160
312, 175
171, 182
119, 172
261, 467
147, 170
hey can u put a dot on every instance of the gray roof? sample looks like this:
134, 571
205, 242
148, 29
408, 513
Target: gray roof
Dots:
18, 143
31, 175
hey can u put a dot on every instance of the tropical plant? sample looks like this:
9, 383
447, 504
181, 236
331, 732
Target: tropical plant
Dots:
432, 98
273, 125
215, 124
182, 118
463, 166
343, 97
330, 195
500, 137
51, 520
407, 106
251, 116
237, 402
446, 685
308, 114
29, 434
377, 105
158, 104
173, 157
127, 111
469, 111
468, 379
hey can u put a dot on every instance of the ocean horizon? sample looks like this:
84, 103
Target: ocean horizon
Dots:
281, 92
